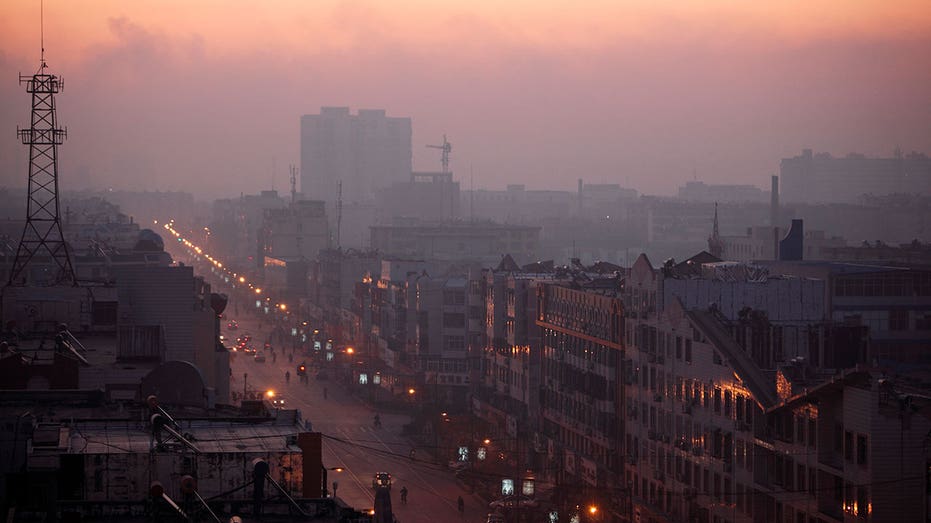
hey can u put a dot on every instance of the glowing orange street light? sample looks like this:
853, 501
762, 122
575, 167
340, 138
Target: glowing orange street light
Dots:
258, 290
283, 306
593, 510
349, 350
270, 394
411, 391
242, 279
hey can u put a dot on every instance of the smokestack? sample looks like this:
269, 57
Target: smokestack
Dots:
774, 202
774, 214
580, 197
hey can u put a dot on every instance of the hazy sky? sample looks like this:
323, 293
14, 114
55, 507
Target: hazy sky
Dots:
206, 96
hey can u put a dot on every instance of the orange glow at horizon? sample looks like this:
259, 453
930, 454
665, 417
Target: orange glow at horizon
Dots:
74, 29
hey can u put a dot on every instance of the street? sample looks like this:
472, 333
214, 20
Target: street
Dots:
350, 439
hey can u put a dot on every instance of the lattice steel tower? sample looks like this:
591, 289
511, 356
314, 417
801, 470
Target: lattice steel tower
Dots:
42, 234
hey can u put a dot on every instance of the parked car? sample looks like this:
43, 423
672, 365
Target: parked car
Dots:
381, 480
259, 358
494, 517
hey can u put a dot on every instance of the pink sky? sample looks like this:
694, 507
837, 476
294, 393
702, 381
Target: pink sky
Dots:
206, 96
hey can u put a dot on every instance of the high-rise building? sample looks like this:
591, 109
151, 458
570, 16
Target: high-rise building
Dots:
366, 152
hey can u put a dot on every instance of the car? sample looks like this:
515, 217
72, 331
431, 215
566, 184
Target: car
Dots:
381, 480
259, 358
514, 501
248, 350
494, 517
233, 325
458, 465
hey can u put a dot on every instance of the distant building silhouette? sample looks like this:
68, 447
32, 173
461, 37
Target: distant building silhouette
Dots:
366, 153
811, 178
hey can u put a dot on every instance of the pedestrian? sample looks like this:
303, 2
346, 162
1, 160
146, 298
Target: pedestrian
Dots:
404, 495
461, 504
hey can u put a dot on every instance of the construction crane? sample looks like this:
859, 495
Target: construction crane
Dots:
446, 148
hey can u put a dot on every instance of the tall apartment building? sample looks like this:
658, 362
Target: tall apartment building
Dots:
365, 152
581, 387
298, 231
745, 402
235, 225
813, 178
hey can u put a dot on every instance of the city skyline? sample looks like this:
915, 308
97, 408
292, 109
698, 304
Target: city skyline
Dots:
208, 100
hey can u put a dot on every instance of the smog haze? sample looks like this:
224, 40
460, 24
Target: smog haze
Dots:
207, 96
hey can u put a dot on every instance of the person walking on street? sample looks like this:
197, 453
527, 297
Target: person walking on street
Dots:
404, 495
461, 504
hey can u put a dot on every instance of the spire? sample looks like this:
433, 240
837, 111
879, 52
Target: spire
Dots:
715, 245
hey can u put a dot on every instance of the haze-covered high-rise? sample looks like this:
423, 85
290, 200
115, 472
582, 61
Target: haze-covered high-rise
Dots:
367, 152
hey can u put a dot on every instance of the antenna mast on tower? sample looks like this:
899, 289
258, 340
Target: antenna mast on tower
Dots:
293, 184
42, 234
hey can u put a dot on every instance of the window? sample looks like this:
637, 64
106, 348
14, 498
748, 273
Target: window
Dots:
898, 320
679, 348
453, 298
861, 449
453, 320
454, 342
688, 351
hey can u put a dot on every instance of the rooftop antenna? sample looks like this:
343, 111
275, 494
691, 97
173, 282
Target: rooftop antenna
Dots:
293, 184
42, 234
41, 35
446, 148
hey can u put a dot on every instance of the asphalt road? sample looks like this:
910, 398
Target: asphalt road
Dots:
350, 439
